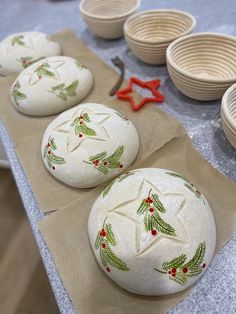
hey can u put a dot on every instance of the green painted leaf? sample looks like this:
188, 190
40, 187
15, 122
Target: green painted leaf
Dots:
197, 259
52, 143
86, 117
62, 95
143, 208
58, 87
18, 40
98, 241
55, 159
157, 203
114, 260
108, 188
180, 278
113, 165
98, 156
161, 225
46, 72
72, 87
102, 169
175, 263
110, 235
87, 131
116, 155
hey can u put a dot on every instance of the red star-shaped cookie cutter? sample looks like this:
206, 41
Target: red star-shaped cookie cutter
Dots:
126, 93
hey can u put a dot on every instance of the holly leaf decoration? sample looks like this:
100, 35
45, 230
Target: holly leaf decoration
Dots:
17, 94
104, 163
51, 157
104, 240
180, 271
64, 92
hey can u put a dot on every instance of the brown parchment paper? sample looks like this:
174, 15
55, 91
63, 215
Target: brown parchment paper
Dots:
27, 132
65, 233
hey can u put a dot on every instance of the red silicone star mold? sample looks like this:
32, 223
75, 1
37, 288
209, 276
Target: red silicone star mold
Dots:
126, 93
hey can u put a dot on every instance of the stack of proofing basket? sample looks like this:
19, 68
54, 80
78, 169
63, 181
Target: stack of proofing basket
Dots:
202, 65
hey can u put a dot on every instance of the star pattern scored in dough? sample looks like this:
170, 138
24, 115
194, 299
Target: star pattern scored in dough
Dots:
83, 126
45, 70
151, 211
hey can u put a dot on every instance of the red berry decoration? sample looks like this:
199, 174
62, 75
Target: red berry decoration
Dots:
48, 145
204, 265
169, 272
154, 232
81, 117
105, 163
49, 152
53, 168
173, 270
185, 270
81, 135
173, 275
151, 210
149, 200
121, 166
103, 245
108, 269
81, 122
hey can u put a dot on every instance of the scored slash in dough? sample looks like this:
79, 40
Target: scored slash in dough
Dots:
152, 232
89, 145
20, 50
50, 86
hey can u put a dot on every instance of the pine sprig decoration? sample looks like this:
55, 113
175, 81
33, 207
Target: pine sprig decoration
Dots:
104, 240
27, 61
151, 207
104, 163
64, 92
43, 71
18, 40
49, 154
80, 125
180, 271
190, 186
119, 179
17, 94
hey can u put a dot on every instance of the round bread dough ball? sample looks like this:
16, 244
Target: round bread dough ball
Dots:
152, 232
88, 145
50, 86
20, 50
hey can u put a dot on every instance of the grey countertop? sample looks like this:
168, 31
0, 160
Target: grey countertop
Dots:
216, 290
